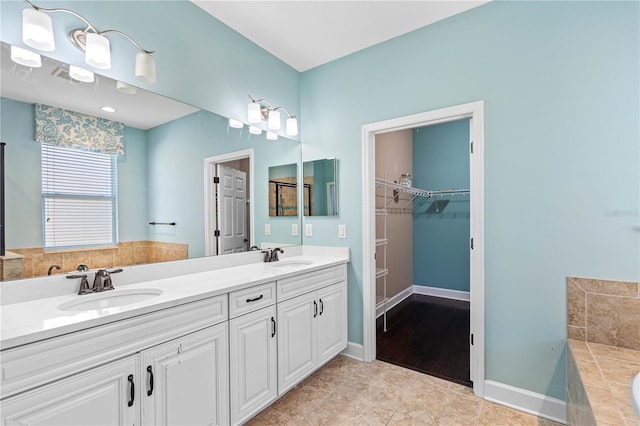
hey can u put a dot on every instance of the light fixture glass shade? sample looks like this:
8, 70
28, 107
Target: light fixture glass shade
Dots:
37, 30
254, 113
274, 120
125, 88
145, 67
292, 126
25, 57
272, 136
236, 124
255, 130
81, 74
98, 51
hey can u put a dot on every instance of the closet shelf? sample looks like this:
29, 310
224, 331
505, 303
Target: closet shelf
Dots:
382, 242
381, 272
383, 183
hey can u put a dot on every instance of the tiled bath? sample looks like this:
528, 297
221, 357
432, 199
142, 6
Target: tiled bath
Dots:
604, 351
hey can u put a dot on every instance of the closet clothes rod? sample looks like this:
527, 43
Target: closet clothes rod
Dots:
419, 192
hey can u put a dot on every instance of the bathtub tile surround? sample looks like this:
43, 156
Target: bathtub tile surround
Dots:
604, 311
603, 319
599, 383
37, 262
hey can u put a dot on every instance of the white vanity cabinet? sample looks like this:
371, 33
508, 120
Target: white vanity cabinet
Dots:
185, 381
312, 323
100, 396
253, 350
98, 375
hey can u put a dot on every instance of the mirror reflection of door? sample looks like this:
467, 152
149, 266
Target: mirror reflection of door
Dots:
231, 208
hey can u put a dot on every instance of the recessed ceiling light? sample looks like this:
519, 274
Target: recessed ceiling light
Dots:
107, 109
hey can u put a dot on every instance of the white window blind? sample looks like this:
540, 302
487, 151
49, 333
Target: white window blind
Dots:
79, 194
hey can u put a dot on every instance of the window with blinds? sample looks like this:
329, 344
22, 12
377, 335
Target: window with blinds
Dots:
79, 198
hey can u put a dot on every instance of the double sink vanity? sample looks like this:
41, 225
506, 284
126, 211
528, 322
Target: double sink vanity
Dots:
202, 341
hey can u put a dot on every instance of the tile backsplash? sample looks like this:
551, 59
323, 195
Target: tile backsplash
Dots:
604, 311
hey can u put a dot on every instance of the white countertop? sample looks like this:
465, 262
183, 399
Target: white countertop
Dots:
33, 320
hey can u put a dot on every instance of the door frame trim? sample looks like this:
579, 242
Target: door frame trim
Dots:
209, 195
474, 111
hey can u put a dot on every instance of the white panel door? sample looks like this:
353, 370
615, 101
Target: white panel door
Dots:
106, 395
297, 352
253, 363
186, 380
332, 321
231, 207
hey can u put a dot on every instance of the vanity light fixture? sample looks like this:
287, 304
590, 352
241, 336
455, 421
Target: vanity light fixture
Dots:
80, 74
236, 124
25, 57
125, 88
37, 32
272, 136
255, 130
263, 110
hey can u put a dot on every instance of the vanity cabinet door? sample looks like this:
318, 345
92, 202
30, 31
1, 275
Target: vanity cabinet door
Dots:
253, 363
106, 395
296, 343
332, 321
185, 381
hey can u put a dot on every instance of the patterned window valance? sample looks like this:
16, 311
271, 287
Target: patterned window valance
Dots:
70, 129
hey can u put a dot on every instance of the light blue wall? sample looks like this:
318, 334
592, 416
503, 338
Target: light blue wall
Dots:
561, 91
441, 232
175, 155
22, 177
199, 60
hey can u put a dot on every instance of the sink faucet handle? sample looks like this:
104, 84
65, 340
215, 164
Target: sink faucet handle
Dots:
84, 283
274, 254
267, 255
107, 283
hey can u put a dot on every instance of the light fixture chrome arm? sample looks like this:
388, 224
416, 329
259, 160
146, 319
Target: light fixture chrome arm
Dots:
70, 12
140, 48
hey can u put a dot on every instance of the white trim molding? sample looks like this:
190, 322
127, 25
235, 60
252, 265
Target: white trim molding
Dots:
354, 350
395, 300
442, 292
474, 112
530, 402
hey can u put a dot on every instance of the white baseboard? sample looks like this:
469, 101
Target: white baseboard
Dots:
527, 401
354, 350
442, 292
393, 301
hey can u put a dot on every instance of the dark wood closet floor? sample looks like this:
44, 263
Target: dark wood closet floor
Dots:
428, 334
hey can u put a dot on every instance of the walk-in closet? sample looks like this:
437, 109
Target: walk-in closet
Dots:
423, 249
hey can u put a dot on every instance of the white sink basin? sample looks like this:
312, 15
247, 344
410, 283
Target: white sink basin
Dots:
110, 299
635, 393
290, 263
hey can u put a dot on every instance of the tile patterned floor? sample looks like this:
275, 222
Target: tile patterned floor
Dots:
350, 392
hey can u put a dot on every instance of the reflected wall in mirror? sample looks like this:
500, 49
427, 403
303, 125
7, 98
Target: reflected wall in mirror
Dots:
283, 190
321, 187
161, 175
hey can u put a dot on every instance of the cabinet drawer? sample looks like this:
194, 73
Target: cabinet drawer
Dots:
303, 283
251, 299
25, 367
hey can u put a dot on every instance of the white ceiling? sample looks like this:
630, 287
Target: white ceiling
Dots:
309, 33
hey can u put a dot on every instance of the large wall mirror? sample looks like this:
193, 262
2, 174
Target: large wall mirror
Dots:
320, 187
167, 207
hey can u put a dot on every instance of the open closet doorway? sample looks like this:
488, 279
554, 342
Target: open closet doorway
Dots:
228, 207
419, 192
